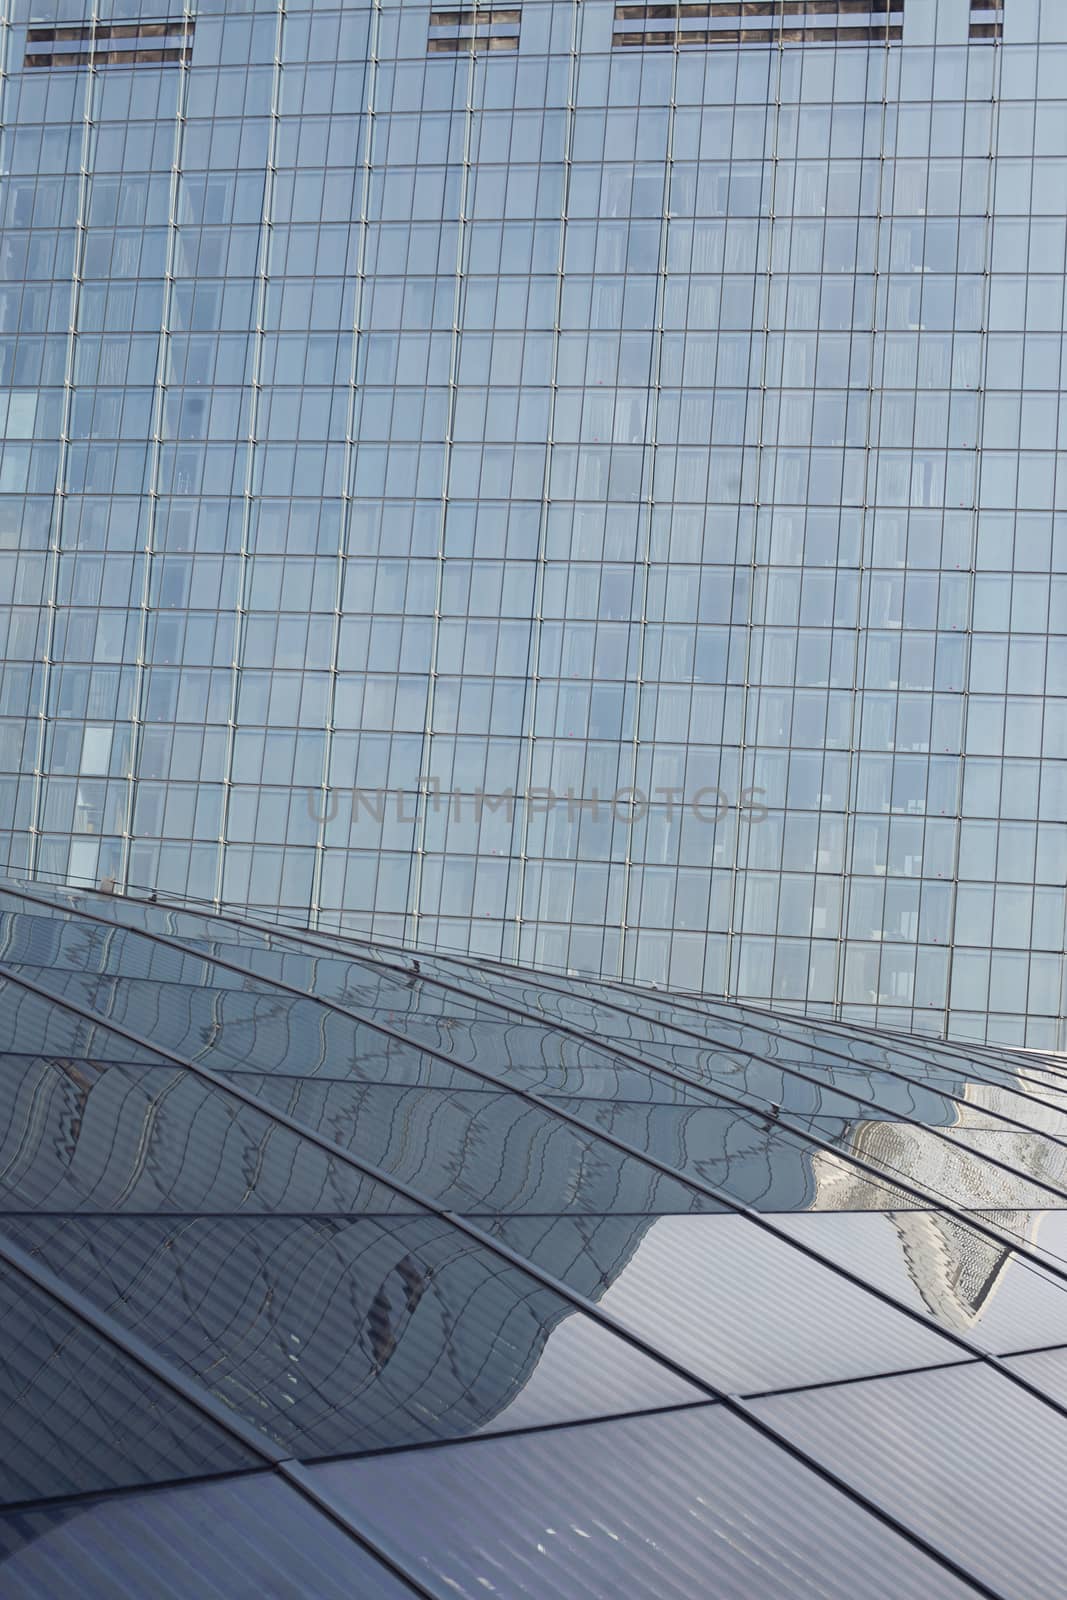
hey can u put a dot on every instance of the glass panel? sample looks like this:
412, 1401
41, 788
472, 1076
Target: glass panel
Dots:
704, 1140
646, 1028
193, 1008
1047, 1369
969, 1283
79, 1136
78, 1414
656, 1507
342, 1336
483, 1151
964, 1457
251, 1535
727, 1299
30, 1024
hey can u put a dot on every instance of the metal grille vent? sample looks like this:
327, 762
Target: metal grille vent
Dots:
987, 21
474, 28
110, 44
728, 22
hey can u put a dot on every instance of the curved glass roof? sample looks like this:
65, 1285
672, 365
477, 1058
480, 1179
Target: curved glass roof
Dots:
329, 1269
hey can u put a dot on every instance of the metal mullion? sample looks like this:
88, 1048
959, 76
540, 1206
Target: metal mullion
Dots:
79, 1498
61, 492
419, 1446
883, 232
348, 466
650, 456
876, 1066
985, 1054
1050, 1061
750, 704
369, 1169
156, 456
620, 1050
763, 1426
139, 1351
528, 736
721, 1095
968, 1051
263, 266
790, 1070
658, 996
301, 1478
979, 456
873, 1035
413, 909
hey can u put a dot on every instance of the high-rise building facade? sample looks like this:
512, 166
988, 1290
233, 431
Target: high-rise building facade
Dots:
573, 481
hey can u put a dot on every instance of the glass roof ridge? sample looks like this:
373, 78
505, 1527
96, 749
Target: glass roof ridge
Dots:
741, 1401
780, 1119
658, 1068
700, 1185
880, 1066
655, 1068
319, 939
697, 1184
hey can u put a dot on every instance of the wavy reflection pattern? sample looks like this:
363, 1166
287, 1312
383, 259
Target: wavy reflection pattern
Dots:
323, 1264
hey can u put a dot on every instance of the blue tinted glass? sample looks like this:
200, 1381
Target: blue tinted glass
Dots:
78, 1414
653, 1506
350, 1334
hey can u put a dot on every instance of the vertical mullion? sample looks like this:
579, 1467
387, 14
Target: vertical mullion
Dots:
738, 879
348, 470
156, 454
884, 233
425, 767
998, 60
59, 505
522, 813
245, 557
650, 454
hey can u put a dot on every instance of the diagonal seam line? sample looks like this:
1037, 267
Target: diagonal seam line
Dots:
301, 934
574, 1031
372, 962
787, 1068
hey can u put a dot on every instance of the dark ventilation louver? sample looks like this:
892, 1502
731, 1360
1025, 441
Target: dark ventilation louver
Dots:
473, 28
987, 21
727, 22
111, 44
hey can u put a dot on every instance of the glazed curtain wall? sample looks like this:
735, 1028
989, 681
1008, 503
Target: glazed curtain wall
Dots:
662, 436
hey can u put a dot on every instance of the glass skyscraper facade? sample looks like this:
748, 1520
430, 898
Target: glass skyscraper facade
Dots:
571, 481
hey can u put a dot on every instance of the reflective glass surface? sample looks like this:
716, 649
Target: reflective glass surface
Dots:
104, 1136
229, 1537
656, 1506
342, 1335
516, 1254
77, 1414
963, 1456
970, 1283
585, 489
729, 1300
